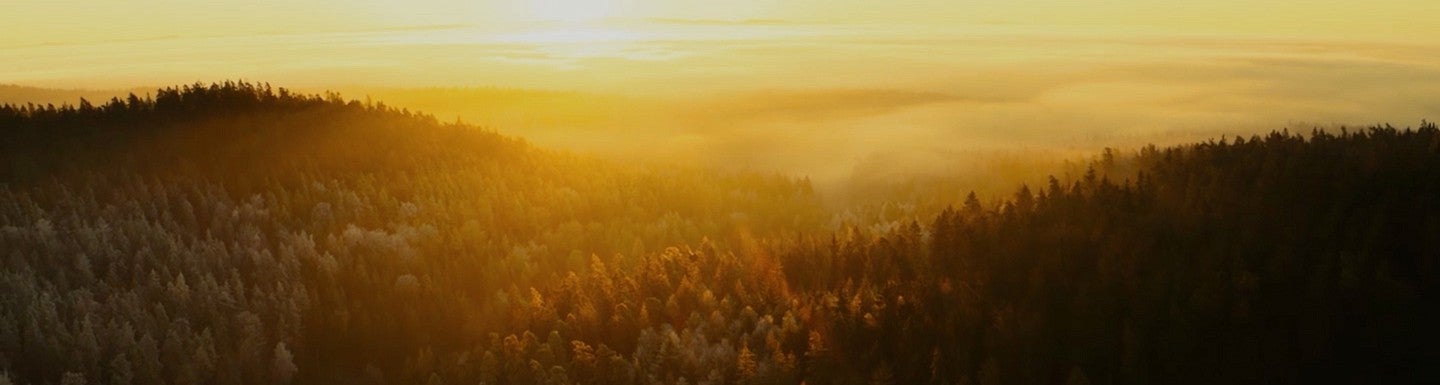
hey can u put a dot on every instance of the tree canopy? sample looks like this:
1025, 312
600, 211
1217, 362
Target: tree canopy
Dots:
235, 234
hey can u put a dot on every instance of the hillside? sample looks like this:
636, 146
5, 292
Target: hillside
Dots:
239, 234
282, 216
1276, 259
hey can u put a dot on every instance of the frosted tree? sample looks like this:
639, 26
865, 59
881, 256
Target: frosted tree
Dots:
120, 371
283, 369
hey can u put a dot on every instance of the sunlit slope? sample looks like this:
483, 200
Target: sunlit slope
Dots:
252, 216
250, 138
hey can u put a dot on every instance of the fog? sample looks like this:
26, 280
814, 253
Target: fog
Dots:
1065, 100
845, 105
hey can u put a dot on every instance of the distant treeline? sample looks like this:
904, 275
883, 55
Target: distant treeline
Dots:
238, 234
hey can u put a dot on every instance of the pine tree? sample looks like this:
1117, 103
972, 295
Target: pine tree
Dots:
120, 370
745, 365
283, 368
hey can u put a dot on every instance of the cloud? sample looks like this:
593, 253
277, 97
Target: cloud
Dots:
716, 22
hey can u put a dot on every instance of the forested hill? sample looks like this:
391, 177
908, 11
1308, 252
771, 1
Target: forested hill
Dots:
1278, 259
226, 219
234, 234
237, 130
252, 140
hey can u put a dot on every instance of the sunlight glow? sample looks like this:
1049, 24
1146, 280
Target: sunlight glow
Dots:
574, 35
573, 10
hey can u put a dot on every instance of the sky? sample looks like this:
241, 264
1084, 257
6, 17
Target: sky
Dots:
646, 45
830, 89
41, 20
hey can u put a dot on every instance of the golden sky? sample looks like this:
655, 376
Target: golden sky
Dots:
857, 84
607, 44
69, 20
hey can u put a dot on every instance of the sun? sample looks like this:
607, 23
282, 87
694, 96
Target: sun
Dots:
573, 10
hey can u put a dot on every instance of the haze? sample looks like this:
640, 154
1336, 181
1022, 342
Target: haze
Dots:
827, 89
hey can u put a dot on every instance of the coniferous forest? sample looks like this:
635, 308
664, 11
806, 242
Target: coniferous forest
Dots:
236, 233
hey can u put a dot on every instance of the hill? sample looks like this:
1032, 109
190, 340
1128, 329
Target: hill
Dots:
234, 233
1277, 259
230, 218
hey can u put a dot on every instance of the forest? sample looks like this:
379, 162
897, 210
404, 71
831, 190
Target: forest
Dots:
238, 233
